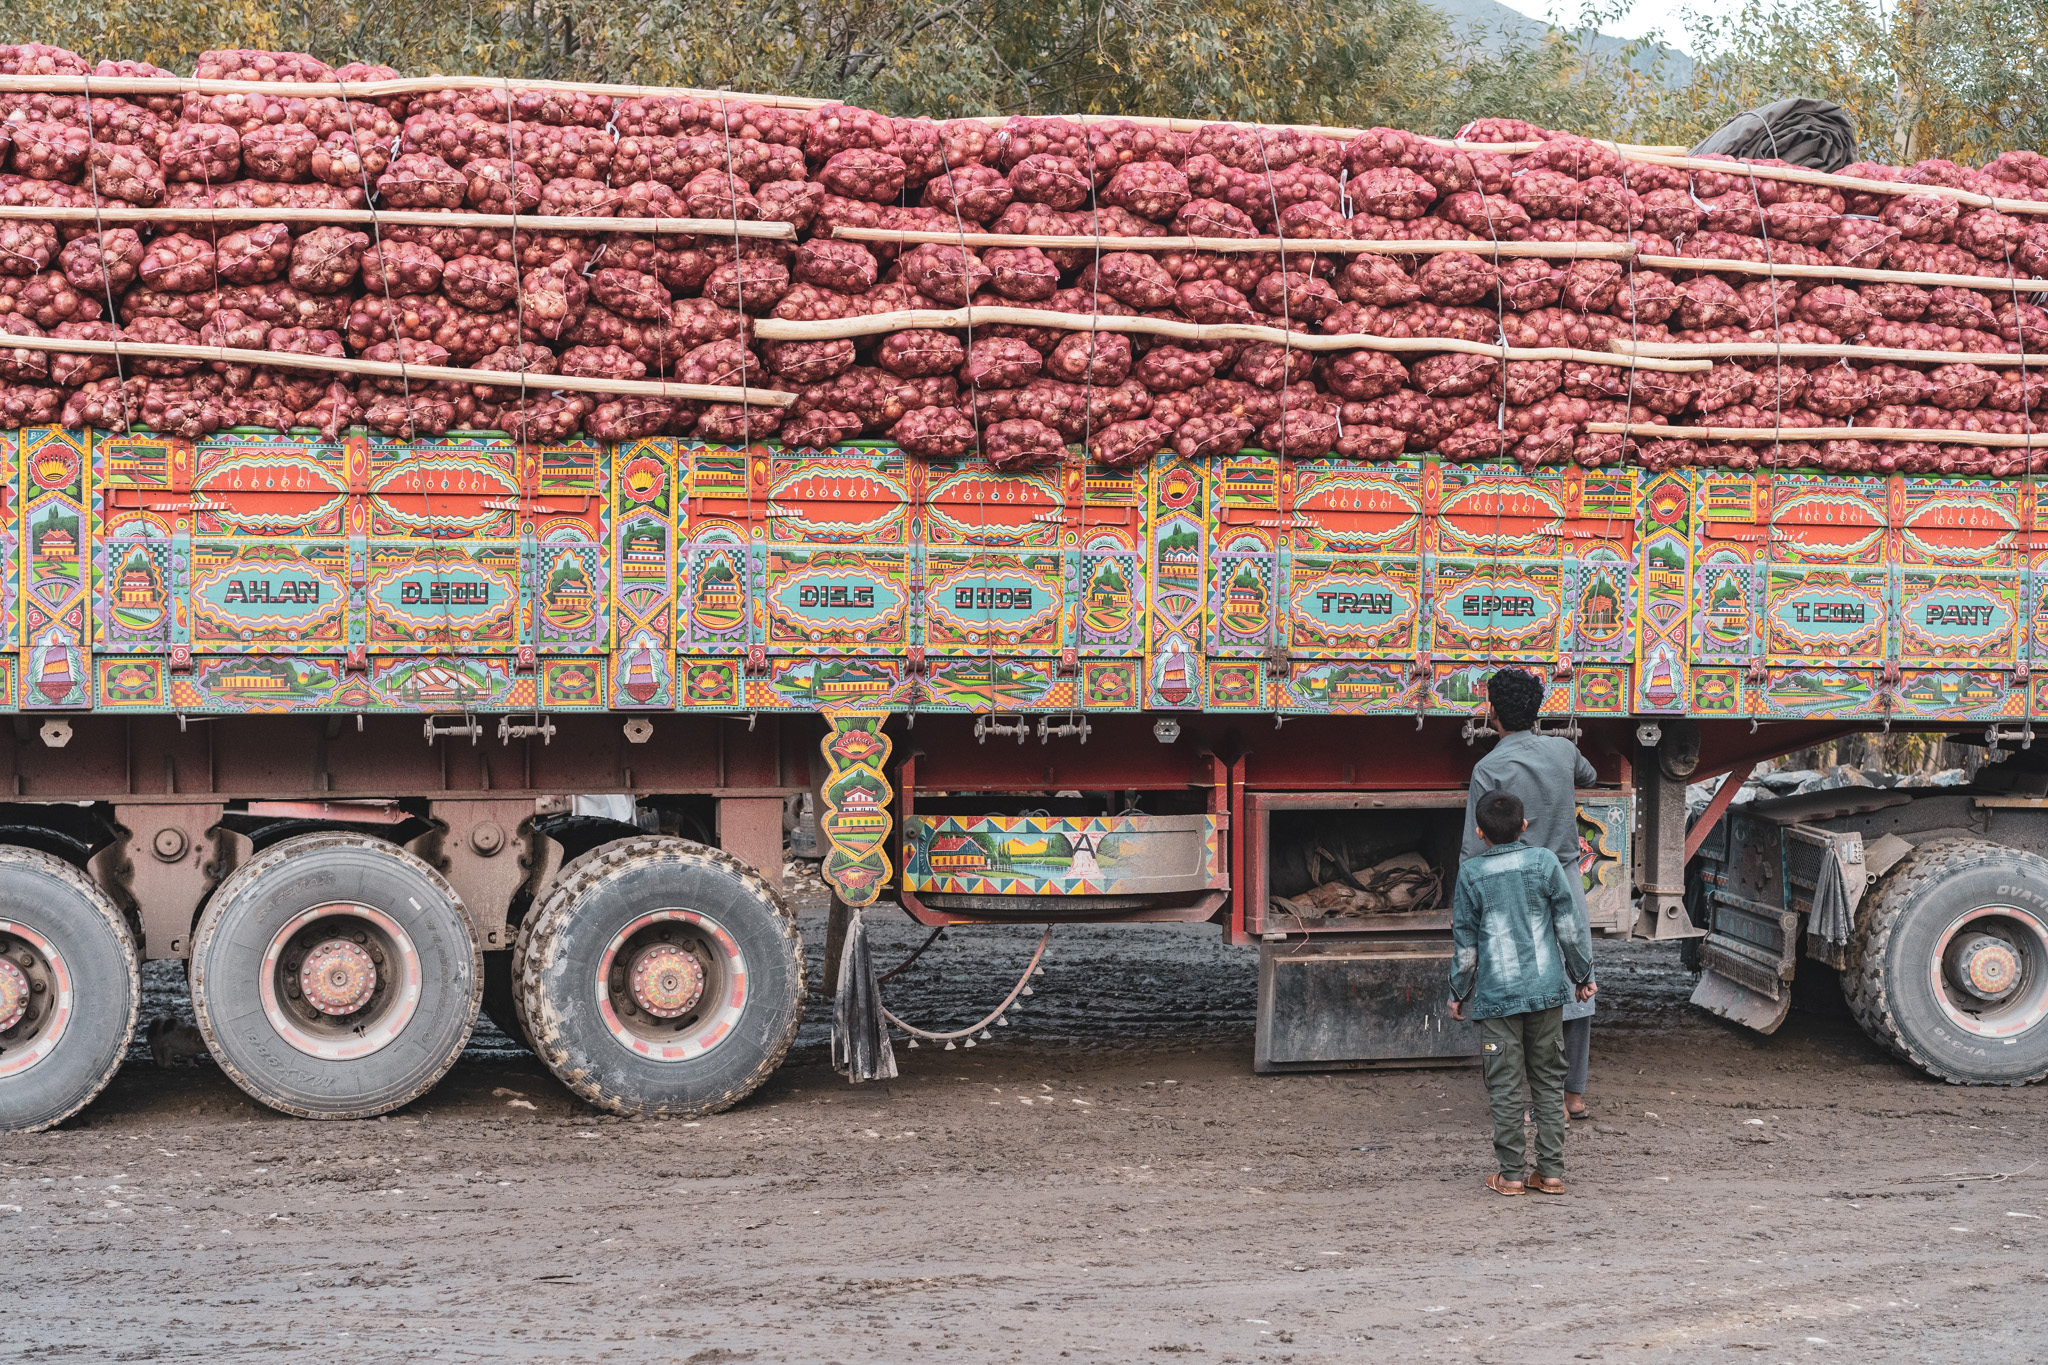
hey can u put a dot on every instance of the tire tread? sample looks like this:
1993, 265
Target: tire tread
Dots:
202, 936
1865, 985
117, 923
541, 928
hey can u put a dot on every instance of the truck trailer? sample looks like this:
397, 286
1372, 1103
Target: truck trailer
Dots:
867, 483
331, 699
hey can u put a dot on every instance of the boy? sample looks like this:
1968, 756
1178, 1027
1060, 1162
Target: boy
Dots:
1516, 937
1541, 771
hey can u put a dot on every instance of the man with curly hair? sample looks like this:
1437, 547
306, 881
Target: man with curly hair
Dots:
1543, 773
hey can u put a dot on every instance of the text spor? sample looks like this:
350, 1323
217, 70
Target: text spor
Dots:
1487, 604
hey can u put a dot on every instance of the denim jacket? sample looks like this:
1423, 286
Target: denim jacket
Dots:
1518, 942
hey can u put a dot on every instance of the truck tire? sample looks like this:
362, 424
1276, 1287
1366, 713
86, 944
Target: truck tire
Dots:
335, 976
662, 977
70, 989
522, 939
1949, 963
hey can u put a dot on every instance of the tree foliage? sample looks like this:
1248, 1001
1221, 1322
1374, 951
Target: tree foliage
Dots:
1345, 62
1924, 77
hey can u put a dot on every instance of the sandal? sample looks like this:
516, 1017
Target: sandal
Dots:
1545, 1184
1500, 1184
1578, 1114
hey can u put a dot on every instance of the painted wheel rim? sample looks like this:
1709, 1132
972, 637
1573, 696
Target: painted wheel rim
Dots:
44, 1014
370, 987
1989, 971
651, 948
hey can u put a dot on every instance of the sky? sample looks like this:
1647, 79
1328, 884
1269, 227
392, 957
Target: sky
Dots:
1646, 18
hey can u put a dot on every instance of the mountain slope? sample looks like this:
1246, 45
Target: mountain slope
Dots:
1484, 22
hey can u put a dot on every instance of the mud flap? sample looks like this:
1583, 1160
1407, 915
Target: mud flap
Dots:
1716, 994
1358, 1004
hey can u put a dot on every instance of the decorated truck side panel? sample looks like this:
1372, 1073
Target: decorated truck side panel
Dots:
252, 668
266, 573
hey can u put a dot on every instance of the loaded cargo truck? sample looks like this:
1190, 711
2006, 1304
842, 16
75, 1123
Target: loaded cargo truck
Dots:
309, 704
351, 856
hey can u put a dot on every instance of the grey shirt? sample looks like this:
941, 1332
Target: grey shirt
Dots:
1541, 771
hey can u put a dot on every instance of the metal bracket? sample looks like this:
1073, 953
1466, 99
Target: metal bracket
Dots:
470, 726
984, 726
1047, 730
1997, 735
507, 731
1475, 729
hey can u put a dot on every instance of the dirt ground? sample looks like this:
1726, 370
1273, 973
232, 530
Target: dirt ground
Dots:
1104, 1180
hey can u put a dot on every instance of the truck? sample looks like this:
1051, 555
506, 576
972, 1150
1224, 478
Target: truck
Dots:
312, 716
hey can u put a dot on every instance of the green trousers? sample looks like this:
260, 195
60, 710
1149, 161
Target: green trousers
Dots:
1517, 1048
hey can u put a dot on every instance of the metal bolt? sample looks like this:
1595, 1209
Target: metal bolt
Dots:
487, 839
169, 845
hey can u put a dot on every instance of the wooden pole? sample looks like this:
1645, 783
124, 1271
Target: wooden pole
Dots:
932, 319
384, 369
1783, 434
1579, 251
416, 85
1990, 283
1731, 350
533, 222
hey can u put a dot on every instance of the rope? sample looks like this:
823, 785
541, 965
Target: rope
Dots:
2029, 461
518, 270
982, 1024
739, 285
106, 279
377, 240
1500, 309
904, 965
1285, 531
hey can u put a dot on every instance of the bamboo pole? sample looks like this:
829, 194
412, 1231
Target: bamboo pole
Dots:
929, 319
1585, 251
414, 85
1932, 280
384, 369
371, 90
1800, 175
719, 227
1732, 350
1782, 434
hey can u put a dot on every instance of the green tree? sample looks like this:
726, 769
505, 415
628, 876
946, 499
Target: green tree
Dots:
1924, 78
1343, 62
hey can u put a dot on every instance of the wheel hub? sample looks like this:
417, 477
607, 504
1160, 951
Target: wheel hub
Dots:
338, 977
14, 994
665, 980
1988, 968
